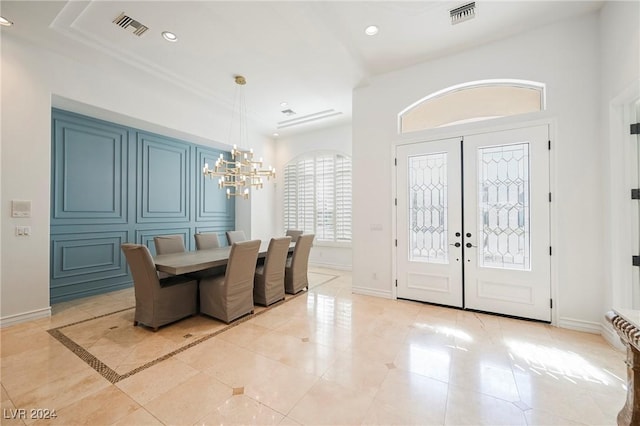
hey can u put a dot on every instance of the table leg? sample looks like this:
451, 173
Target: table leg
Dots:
630, 336
630, 413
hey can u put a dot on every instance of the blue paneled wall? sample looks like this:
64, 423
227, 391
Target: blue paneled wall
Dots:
113, 184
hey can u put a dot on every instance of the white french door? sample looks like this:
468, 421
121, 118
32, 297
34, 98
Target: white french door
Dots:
473, 222
429, 222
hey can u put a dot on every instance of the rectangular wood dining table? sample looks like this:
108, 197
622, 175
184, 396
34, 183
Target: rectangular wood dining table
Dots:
199, 260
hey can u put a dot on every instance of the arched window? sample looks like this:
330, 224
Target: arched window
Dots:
473, 101
317, 196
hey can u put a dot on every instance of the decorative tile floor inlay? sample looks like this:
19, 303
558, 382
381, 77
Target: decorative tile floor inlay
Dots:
112, 346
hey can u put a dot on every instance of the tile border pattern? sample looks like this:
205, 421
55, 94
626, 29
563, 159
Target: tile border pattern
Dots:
114, 377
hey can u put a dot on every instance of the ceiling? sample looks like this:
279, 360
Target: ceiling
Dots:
310, 54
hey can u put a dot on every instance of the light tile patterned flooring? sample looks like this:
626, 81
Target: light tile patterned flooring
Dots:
326, 357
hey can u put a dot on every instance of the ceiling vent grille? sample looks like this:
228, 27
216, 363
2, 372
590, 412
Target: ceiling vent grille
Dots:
463, 13
125, 22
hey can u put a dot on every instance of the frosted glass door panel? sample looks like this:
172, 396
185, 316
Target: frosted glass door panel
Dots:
428, 208
503, 207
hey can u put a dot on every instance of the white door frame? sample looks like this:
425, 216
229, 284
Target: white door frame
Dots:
507, 123
621, 115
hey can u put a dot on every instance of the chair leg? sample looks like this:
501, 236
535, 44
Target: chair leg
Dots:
155, 329
135, 323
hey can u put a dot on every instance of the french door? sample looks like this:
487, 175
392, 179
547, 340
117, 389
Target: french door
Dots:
473, 222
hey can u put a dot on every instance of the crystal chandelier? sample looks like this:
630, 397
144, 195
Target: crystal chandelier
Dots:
242, 171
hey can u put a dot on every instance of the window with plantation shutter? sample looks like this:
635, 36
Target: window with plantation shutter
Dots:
317, 196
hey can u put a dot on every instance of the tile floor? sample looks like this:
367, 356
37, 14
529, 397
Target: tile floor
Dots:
327, 357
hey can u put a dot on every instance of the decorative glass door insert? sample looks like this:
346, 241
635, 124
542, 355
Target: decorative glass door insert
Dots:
503, 207
428, 208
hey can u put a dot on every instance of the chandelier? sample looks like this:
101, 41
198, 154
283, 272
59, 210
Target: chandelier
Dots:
242, 171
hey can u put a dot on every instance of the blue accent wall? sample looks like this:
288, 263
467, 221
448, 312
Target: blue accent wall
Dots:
114, 184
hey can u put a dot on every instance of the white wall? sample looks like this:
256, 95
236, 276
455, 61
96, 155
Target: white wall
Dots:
263, 220
565, 57
620, 86
31, 77
336, 138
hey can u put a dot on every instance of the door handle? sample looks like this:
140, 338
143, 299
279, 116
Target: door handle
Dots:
456, 244
469, 245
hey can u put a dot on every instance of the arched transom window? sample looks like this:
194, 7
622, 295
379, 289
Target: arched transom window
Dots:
474, 101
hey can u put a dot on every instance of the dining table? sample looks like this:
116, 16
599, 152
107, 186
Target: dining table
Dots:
199, 260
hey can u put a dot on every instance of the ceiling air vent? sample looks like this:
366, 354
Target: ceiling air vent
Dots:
125, 22
463, 13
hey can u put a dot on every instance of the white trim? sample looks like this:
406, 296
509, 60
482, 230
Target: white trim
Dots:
394, 220
580, 325
610, 335
24, 317
553, 213
371, 292
620, 209
330, 266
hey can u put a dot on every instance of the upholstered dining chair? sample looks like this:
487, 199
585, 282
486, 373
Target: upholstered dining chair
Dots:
230, 297
294, 234
268, 284
168, 244
295, 273
158, 301
235, 237
206, 241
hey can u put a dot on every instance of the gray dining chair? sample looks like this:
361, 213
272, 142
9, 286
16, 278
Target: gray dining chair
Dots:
168, 244
295, 273
294, 234
268, 284
235, 236
206, 241
158, 301
230, 297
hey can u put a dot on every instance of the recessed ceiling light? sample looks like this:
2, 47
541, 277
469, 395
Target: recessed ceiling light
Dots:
275, 135
283, 104
371, 30
5, 22
169, 36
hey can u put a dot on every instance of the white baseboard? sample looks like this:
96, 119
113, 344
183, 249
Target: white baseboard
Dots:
25, 316
372, 292
330, 266
611, 336
580, 325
